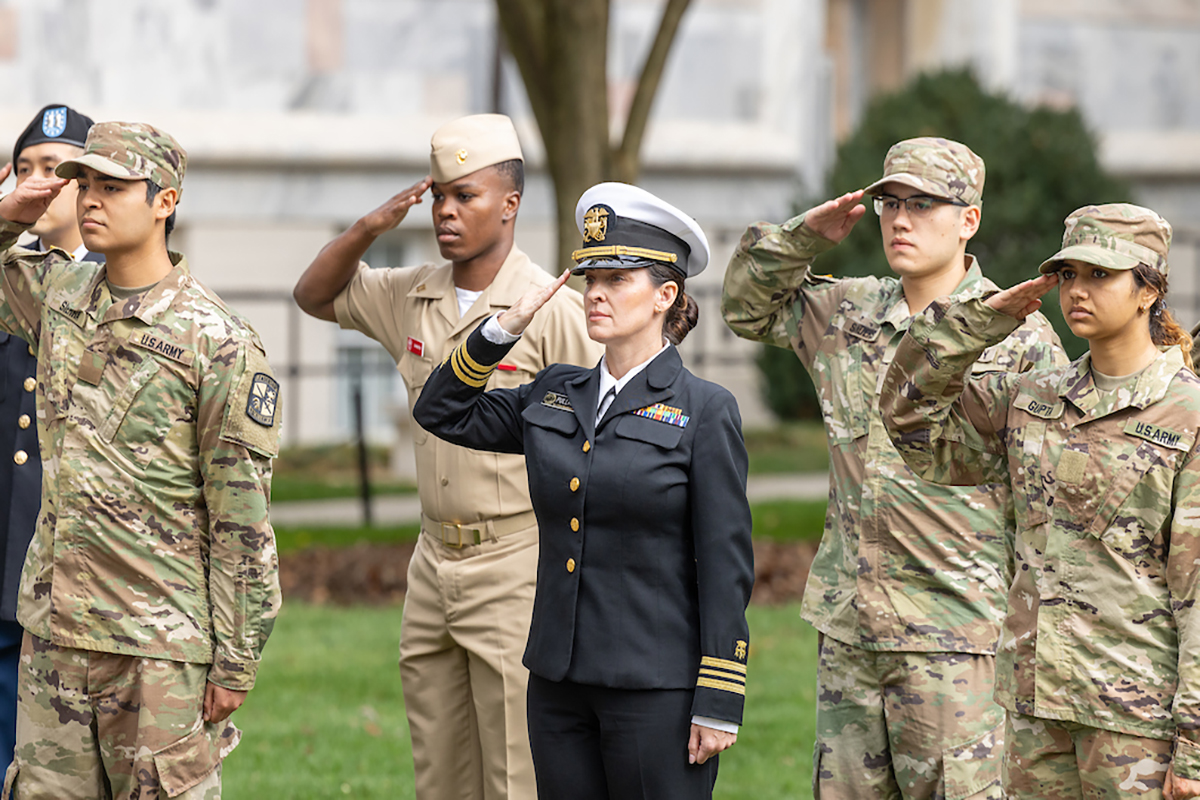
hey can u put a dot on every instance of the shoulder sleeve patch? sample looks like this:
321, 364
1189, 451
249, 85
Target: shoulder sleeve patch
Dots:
254, 412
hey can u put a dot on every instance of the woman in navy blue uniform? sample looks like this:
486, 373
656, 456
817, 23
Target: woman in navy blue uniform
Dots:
638, 646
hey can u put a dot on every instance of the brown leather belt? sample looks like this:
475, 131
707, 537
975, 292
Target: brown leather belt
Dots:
465, 534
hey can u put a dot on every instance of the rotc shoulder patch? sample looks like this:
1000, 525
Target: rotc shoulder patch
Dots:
253, 411
558, 402
264, 395
664, 413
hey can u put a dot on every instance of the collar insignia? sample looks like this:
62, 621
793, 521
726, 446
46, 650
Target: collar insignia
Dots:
663, 413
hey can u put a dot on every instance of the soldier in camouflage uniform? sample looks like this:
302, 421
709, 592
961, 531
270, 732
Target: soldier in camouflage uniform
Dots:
907, 588
1099, 659
151, 584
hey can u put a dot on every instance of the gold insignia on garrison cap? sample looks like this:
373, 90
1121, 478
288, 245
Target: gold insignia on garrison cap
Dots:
468, 144
461, 155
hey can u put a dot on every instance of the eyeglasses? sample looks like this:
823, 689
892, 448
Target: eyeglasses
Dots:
918, 206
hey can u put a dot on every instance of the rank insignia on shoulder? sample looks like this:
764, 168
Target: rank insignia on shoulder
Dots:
739, 650
264, 394
557, 401
664, 413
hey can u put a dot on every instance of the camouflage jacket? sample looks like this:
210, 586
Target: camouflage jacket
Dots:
158, 419
903, 564
1102, 625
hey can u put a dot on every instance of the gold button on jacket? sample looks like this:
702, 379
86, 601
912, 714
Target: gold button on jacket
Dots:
570, 565
574, 523
23, 421
574, 484
30, 384
20, 457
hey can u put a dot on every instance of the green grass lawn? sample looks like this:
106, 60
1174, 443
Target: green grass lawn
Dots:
788, 447
326, 719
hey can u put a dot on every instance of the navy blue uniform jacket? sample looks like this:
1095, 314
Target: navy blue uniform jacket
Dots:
645, 564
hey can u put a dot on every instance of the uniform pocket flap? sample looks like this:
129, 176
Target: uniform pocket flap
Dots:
660, 434
553, 417
975, 766
183, 764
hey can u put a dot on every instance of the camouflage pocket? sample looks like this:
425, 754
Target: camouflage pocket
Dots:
186, 763
972, 770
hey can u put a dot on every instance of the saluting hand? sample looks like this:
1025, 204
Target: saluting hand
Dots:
707, 742
29, 201
834, 219
393, 212
516, 318
5, 171
1023, 299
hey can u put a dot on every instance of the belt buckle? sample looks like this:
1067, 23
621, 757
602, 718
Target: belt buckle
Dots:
457, 542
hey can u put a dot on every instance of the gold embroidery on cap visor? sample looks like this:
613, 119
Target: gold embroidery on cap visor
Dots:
621, 250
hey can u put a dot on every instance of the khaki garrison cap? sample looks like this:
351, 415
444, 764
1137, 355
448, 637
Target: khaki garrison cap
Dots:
468, 144
1114, 236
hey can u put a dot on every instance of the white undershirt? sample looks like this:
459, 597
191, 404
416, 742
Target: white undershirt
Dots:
494, 332
466, 299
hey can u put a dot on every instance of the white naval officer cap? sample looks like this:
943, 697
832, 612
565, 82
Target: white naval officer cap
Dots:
627, 227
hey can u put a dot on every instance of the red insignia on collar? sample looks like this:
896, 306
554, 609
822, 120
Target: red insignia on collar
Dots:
507, 367
415, 346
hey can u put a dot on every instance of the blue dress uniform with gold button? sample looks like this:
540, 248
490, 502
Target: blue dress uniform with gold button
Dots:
646, 564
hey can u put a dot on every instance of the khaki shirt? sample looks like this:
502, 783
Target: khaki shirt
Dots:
903, 564
413, 312
158, 417
1102, 626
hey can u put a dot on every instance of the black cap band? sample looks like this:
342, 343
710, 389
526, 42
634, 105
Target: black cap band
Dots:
615, 242
54, 123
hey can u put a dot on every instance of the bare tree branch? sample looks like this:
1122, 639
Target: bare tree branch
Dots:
626, 163
524, 26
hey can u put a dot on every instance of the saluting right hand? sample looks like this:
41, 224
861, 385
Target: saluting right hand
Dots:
393, 212
516, 318
5, 171
29, 201
1023, 299
834, 219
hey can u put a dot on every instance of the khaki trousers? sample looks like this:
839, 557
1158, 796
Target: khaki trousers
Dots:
462, 638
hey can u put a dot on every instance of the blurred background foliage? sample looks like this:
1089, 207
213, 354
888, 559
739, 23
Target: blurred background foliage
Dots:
1041, 165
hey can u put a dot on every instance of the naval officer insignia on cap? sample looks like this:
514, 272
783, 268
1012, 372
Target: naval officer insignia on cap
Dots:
624, 227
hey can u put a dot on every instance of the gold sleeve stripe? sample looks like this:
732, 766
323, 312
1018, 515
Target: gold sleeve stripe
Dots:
725, 676
468, 366
725, 686
467, 377
471, 363
721, 663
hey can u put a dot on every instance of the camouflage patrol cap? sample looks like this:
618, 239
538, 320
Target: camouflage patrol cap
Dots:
1114, 236
131, 151
935, 166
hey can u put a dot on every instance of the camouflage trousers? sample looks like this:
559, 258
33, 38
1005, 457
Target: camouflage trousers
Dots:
906, 725
97, 726
1059, 760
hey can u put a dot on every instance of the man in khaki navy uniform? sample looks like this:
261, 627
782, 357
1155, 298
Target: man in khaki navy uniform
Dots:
471, 580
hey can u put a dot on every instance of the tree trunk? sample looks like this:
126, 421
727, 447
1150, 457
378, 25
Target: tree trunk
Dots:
561, 48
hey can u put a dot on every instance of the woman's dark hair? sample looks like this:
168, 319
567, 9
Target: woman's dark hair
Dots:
152, 190
684, 313
1164, 330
